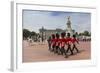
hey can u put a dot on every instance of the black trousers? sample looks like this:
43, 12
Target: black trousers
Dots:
53, 47
63, 51
69, 49
74, 47
58, 50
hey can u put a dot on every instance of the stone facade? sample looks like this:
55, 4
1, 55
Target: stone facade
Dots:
46, 33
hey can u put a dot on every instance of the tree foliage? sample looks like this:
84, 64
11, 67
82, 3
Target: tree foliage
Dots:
28, 34
85, 33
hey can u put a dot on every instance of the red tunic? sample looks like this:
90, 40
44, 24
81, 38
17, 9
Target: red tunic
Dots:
63, 42
53, 42
58, 41
69, 40
74, 40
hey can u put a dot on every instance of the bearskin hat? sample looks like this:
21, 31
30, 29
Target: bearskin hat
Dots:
63, 34
53, 35
57, 35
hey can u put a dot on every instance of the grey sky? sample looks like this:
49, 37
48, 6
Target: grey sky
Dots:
34, 20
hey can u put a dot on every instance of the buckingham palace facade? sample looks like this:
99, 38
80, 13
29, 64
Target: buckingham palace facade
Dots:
46, 33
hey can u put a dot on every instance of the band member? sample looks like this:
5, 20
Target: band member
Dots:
63, 42
75, 41
69, 41
57, 50
49, 43
53, 42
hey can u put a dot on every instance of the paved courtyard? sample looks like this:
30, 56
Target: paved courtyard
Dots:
38, 52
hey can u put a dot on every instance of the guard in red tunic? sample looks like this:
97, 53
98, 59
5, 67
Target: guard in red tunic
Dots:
63, 43
74, 42
58, 50
69, 41
53, 42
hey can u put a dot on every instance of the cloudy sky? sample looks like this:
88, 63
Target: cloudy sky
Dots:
34, 20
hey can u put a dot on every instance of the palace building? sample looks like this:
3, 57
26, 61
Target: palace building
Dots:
46, 33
